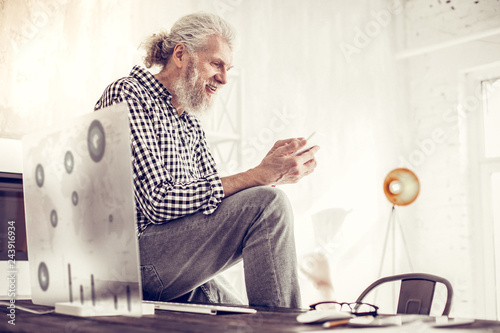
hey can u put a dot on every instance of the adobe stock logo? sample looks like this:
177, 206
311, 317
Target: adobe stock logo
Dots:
372, 29
467, 107
221, 7
262, 140
425, 148
42, 12
265, 137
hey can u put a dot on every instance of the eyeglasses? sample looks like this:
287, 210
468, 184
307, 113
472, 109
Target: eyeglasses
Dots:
356, 308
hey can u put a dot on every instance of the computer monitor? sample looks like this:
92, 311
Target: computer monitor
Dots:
14, 281
13, 247
80, 215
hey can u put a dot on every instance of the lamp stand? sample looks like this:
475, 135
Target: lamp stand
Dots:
391, 232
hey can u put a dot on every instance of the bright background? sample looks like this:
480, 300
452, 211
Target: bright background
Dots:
384, 84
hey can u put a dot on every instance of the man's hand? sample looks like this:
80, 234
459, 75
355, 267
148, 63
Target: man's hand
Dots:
281, 165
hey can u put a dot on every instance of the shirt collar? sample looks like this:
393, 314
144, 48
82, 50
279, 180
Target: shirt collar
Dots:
148, 80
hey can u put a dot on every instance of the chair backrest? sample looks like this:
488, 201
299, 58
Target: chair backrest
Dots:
416, 292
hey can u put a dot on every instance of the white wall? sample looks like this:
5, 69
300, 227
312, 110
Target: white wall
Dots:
443, 42
60, 55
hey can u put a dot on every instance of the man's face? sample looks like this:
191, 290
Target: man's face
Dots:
204, 74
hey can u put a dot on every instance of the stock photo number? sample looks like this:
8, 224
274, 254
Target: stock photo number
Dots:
12, 273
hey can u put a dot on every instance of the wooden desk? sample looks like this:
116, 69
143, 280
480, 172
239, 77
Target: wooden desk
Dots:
265, 320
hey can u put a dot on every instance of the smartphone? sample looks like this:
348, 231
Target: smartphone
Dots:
309, 144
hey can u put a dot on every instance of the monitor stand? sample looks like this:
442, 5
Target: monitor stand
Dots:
88, 310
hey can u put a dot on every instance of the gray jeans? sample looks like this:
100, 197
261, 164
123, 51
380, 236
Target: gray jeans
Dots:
180, 259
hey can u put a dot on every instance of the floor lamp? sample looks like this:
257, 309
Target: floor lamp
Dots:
401, 187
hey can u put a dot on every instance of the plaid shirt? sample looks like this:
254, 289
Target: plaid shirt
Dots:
174, 172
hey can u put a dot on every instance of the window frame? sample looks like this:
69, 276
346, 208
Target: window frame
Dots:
480, 168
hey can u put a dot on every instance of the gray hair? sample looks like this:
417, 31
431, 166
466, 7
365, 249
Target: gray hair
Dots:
191, 30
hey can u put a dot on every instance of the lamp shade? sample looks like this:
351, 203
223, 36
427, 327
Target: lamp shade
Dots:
401, 187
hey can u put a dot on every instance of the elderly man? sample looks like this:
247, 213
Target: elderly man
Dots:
191, 223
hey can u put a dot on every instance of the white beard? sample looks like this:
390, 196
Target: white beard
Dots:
190, 90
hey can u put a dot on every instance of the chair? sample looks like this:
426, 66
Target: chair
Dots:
416, 292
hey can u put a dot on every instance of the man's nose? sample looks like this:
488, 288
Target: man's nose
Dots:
221, 77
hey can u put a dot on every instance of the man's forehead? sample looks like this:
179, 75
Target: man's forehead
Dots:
218, 49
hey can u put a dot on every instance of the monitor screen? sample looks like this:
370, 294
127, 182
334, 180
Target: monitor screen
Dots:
12, 222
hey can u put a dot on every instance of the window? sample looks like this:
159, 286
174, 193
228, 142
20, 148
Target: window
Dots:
489, 166
480, 120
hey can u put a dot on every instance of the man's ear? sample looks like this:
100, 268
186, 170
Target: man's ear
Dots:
179, 55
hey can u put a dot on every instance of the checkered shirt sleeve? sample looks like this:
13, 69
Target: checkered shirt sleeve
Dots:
174, 172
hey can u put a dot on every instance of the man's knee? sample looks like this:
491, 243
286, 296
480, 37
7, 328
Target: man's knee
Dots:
273, 201
270, 196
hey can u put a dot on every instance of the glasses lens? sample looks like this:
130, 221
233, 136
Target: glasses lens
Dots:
363, 309
329, 306
358, 309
